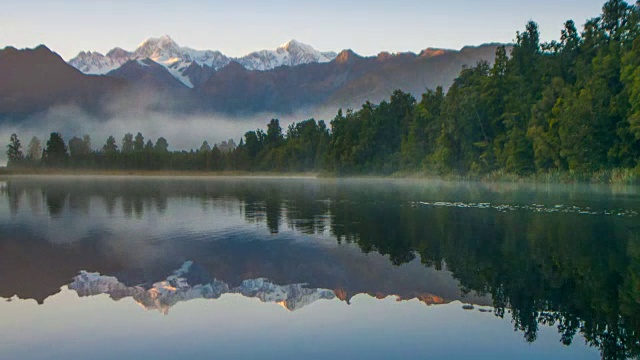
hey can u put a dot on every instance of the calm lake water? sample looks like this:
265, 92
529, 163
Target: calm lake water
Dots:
180, 268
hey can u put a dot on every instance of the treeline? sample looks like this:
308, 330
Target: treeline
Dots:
132, 154
566, 106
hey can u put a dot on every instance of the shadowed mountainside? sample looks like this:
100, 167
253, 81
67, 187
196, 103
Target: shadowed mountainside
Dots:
35, 80
32, 81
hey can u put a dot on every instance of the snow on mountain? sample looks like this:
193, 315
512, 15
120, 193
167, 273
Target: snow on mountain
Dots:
94, 63
177, 60
290, 54
189, 65
163, 295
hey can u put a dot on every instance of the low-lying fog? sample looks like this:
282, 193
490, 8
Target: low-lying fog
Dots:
182, 132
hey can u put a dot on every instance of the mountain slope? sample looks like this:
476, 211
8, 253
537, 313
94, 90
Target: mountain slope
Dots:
34, 80
347, 81
146, 73
410, 73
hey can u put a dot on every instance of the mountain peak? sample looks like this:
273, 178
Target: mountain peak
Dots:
295, 45
162, 40
433, 52
347, 56
42, 48
118, 52
292, 42
156, 48
292, 53
305, 53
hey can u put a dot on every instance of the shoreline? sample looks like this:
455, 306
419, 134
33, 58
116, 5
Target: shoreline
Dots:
4, 172
614, 177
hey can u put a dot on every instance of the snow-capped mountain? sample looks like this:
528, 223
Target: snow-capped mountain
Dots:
290, 54
166, 52
163, 295
94, 63
190, 66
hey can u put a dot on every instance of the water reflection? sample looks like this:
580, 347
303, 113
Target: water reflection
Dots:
176, 288
577, 270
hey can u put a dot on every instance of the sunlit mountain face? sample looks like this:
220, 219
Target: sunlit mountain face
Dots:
536, 257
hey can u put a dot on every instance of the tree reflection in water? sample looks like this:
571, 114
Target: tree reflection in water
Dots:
579, 273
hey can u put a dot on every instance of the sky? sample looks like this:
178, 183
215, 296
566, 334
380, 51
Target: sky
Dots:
240, 27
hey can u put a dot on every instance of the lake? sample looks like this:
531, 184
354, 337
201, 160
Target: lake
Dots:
288, 268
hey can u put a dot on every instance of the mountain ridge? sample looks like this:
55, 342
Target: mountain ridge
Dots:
177, 82
181, 61
177, 59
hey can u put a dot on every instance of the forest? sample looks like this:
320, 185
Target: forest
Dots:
564, 107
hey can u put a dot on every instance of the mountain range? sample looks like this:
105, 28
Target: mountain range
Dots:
183, 62
295, 77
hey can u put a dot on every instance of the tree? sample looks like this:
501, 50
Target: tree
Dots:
127, 143
34, 150
216, 159
205, 157
274, 133
614, 18
86, 141
545, 125
110, 147
148, 147
56, 152
253, 143
14, 151
79, 148
138, 142
205, 147
162, 145
570, 42
631, 79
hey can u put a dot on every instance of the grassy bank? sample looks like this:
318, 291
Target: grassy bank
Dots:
613, 177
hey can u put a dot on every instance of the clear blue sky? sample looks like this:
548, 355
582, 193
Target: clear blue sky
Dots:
241, 26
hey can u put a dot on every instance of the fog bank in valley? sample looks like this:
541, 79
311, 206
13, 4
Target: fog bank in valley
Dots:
182, 131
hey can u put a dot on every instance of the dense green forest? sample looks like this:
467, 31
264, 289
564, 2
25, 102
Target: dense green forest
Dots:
566, 107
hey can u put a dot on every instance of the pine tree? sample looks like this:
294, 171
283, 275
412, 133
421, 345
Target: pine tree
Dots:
56, 153
14, 151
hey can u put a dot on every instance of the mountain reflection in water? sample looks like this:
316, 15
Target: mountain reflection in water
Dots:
562, 255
